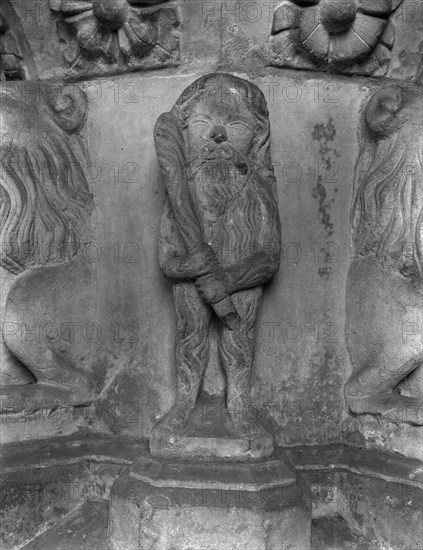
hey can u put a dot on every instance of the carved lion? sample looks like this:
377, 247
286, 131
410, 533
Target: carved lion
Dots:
45, 209
384, 286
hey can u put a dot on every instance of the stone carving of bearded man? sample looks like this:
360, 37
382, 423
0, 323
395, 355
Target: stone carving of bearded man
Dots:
219, 242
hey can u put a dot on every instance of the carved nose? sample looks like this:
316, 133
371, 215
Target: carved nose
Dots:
218, 134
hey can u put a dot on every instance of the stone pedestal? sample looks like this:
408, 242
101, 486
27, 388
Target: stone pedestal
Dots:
160, 504
210, 434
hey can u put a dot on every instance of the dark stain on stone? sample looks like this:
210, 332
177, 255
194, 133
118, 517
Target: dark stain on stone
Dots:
325, 133
324, 272
319, 193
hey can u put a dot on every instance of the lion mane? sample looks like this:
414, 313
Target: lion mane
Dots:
45, 202
386, 217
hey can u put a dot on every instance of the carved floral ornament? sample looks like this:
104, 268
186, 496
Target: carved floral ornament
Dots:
350, 36
116, 31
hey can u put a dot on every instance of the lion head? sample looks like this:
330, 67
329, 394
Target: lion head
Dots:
45, 202
387, 217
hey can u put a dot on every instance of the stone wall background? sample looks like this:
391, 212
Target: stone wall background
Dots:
301, 362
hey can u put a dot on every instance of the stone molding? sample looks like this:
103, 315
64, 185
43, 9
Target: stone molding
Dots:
98, 448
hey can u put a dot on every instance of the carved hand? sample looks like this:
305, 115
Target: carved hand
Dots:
212, 286
200, 261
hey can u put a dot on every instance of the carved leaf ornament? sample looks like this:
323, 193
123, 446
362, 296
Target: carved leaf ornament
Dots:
108, 28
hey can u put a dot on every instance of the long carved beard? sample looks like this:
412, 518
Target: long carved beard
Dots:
218, 175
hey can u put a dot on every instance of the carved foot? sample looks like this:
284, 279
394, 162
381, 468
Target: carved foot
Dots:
169, 426
250, 426
390, 406
34, 397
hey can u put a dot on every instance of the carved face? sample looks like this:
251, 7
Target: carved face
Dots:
218, 124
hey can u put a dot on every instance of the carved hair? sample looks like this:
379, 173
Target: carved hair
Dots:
45, 203
254, 100
387, 210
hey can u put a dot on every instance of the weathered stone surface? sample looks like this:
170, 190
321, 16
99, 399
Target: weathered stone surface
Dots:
206, 529
43, 482
379, 511
334, 533
373, 432
85, 529
376, 493
32, 502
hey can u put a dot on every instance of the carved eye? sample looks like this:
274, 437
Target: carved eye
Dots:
201, 121
239, 125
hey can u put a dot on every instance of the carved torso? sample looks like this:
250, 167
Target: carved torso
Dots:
222, 207
236, 221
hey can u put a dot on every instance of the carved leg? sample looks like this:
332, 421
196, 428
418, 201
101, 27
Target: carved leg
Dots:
237, 355
59, 383
41, 306
384, 338
191, 355
373, 390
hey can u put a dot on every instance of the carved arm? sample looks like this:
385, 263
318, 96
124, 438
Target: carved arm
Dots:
255, 270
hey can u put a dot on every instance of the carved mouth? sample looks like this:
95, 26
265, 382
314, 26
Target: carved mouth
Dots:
225, 151
218, 154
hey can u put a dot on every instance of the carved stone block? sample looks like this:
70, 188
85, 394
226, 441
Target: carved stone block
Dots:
162, 504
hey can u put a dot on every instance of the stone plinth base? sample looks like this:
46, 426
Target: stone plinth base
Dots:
211, 434
163, 505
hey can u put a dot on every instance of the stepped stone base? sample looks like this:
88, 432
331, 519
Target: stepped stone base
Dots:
163, 505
